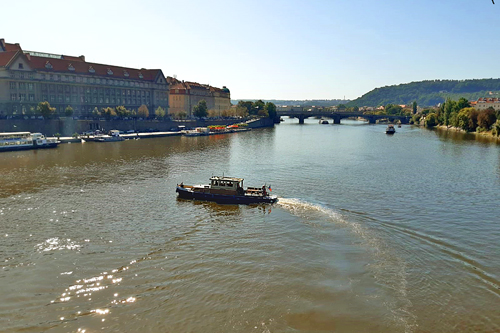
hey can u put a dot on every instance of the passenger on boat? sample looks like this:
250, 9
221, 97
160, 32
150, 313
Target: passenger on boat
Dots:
264, 193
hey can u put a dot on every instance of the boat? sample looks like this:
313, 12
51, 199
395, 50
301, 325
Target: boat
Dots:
25, 140
198, 131
227, 190
390, 129
114, 135
323, 121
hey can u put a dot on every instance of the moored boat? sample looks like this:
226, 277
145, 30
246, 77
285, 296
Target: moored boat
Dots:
114, 135
228, 190
390, 129
323, 122
25, 140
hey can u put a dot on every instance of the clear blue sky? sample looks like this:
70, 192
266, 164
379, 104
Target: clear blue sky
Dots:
271, 49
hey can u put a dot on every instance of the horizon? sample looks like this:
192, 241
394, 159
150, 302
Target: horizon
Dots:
280, 50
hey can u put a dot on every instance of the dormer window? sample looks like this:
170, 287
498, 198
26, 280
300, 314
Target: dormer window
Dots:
126, 74
91, 69
110, 72
21, 66
140, 76
48, 65
71, 68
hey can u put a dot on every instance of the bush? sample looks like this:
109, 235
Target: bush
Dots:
75, 135
430, 120
496, 128
57, 135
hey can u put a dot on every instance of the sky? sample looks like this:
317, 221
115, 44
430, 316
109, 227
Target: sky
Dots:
267, 49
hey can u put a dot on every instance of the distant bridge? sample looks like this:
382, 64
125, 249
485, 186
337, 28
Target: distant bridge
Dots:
338, 115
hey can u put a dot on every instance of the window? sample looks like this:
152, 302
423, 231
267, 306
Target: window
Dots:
31, 76
30, 86
20, 66
110, 72
13, 97
13, 85
48, 65
32, 97
91, 69
71, 68
140, 76
22, 85
126, 74
22, 97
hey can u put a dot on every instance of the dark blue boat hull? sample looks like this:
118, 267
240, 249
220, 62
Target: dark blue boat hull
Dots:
224, 199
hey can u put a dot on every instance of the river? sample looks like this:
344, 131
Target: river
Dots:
372, 233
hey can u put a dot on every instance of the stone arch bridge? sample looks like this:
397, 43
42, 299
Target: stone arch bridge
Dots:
338, 115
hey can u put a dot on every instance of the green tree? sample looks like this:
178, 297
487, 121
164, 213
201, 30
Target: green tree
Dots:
462, 104
45, 109
467, 119
68, 112
449, 107
263, 113
246, 105
392, 109
257, 106
182, 115
201, 109
271, 110
160, 112
414, 107
495, 129
143, 111
431, 120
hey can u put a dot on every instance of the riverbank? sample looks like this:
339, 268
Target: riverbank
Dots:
486, 134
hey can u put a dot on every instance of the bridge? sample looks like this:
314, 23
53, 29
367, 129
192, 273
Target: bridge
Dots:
338, 115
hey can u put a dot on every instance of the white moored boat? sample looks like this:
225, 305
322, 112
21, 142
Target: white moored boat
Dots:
25, 140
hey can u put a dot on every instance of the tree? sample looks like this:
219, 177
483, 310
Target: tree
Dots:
246, 105
486, 118
414, 107
68, 112
45, 109
257, 106
121, 111
271, 110
467, 119
431, 120
143, 111
182, 115
355, 108
96, 112
495, 129
263, 113
392, 109
108, 113
449, 107
201, 109
462, 104
160, 112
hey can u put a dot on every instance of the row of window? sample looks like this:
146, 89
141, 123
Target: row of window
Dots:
79, 79
22, 97
21, 85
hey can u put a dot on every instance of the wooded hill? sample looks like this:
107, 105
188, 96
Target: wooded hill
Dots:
428, 93
310, 102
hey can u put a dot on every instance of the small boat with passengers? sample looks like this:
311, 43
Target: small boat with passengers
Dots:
25, 140
228, 190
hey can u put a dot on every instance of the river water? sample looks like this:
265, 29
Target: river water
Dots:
372, 233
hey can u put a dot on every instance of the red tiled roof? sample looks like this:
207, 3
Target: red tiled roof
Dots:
81, 67
5, 57
12, 47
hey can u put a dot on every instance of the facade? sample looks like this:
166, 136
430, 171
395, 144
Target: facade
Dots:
484, 103
27, 78
184, 96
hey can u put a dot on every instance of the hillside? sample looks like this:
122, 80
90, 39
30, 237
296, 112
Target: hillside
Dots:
428, 93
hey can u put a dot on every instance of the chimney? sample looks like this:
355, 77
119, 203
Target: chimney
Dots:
82, 58
2, 44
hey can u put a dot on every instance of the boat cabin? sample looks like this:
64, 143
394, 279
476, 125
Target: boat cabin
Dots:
226, 183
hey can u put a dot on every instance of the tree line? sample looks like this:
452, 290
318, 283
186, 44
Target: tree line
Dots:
461, 115
44, 109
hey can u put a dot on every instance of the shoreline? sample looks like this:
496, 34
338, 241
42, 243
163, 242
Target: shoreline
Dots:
486, 134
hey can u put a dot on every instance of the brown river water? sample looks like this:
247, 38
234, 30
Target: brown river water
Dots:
372, 233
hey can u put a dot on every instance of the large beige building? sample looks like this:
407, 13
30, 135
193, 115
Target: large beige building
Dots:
27, 78
184, 96
484, 103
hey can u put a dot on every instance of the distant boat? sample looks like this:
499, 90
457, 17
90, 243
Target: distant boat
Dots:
390, 129
323, 122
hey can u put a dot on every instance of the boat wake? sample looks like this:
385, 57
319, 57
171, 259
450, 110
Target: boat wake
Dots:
388, 269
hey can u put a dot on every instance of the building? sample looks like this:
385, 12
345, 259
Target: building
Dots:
27, 78
184, 96
484, 103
